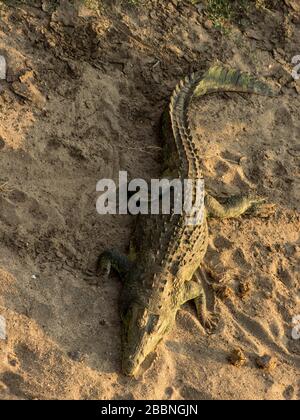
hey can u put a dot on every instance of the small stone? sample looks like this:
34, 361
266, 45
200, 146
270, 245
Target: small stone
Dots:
244, 289
12, 361
237, 358
76, 355
266, 363
289, 393
208, 24
169, 392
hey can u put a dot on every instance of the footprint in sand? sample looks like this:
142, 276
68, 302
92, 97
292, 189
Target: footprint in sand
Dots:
15, 383
8, 213
36, 210
192, 394
17, 197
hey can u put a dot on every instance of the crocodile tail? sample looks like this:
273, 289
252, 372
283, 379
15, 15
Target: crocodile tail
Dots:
179, 105
222, 79
216, 79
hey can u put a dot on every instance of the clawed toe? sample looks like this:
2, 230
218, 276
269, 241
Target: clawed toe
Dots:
266, 210
89, 273
99, 274
103, 267
262, 210
103, 272
211, 322
90, 277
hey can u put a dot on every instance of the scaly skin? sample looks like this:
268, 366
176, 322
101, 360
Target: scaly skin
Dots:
168, 252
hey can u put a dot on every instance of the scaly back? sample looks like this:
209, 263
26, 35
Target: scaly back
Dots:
174, 242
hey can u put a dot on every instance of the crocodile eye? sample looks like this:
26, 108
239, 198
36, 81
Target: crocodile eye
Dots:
152, 323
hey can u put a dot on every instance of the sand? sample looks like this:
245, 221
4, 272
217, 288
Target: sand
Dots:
84, 93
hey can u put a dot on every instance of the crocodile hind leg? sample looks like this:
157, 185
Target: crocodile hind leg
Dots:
209, 319
233, 206
195, 291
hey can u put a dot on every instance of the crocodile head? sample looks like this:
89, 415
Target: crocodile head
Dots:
142, 331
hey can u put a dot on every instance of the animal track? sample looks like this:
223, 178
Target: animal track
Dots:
15, 383
17, 196
8, 213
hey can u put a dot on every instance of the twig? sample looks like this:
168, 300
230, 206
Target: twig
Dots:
142, 149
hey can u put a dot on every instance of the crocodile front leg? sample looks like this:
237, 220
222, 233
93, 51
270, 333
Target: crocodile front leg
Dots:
232, 207
112, 259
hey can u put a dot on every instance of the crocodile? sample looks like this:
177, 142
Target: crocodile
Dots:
164, 268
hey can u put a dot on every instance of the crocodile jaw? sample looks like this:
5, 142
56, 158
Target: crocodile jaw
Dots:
142, 332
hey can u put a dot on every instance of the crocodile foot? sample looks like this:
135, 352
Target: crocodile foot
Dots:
103, 268
235, 206
263, 210
210, 321
100, 273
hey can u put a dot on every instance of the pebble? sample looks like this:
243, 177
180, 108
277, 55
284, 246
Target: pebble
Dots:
237, 358
266, 363
76, 355
289, 393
